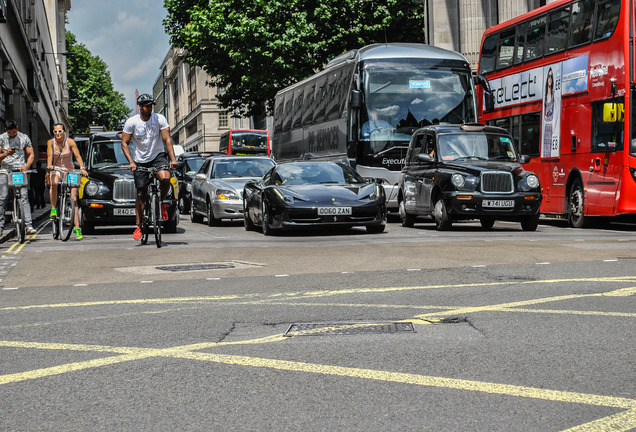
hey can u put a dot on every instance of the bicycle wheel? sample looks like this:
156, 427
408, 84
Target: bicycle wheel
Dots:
156, 217
67, 217
18, 220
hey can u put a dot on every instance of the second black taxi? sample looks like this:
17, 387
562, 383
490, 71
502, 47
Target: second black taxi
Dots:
471, 171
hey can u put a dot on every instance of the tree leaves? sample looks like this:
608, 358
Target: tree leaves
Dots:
90, 85
254, 48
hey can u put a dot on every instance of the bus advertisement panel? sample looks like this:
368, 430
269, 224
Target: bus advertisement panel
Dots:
365, 105
562, 80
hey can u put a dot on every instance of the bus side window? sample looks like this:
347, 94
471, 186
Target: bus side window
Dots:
607, 18
308, 109
297, 116
320, 98
506, 50
530, 134
558, 27
581, 24
333, 104
488, 54
535, 39
289, 111
279, 109
520, 44
606, 136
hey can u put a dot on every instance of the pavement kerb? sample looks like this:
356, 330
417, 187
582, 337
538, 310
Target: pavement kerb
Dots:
37, 215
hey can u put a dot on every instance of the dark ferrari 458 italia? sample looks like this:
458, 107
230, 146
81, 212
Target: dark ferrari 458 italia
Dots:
313, 194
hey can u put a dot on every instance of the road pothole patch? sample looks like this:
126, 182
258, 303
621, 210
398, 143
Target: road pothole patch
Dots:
337, 329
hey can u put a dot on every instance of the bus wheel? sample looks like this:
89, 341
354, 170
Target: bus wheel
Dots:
576, 218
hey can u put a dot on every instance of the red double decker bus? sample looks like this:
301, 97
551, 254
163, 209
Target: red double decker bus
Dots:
245, 142
563, 82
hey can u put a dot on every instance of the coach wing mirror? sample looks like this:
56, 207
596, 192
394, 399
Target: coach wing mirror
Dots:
489, 98
356, 99
613, 112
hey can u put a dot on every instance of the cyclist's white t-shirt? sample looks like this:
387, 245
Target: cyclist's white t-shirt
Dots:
146, 136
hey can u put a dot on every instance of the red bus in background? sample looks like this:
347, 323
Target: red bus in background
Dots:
245, 142
562, 81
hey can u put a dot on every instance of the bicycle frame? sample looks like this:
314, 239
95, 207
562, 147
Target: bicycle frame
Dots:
63, 225
152, 206
17, 180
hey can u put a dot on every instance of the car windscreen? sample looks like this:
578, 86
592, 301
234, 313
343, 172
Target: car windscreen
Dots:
476, 146
241, 167
192, 165
108, 153
316, 173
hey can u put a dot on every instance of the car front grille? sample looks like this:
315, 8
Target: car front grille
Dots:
496, 182
124, 190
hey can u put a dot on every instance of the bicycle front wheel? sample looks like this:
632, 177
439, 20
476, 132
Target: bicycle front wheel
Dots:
67, 217
18, 220
156, 218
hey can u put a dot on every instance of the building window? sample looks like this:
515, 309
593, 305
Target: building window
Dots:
223, 120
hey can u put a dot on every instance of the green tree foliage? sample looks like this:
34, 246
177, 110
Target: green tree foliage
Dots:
90, 85
254, 48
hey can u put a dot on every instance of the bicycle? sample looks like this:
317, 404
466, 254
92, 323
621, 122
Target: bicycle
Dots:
152, 207
65, 222
17, 180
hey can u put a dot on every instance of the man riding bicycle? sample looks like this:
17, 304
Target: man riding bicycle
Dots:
150, 135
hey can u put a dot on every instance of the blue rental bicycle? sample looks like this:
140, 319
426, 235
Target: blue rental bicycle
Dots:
17, 180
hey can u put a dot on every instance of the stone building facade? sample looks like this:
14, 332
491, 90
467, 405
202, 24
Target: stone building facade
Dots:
33, 85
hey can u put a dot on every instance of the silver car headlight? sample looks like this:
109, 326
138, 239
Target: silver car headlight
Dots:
458, 180
92, 188
226, 194
532, 181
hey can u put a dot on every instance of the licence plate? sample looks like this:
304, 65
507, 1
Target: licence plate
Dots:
117, 211
333, 211
498, 203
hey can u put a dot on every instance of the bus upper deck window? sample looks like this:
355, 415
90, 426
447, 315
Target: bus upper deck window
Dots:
581, 22
608, 13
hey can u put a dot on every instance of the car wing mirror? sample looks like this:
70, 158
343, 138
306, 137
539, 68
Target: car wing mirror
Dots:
524, 159
200, 176
425, 157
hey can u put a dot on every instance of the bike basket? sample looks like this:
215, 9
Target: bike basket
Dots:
73, 179
18, 179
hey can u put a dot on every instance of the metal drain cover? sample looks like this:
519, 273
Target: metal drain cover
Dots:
331, 329
193, 267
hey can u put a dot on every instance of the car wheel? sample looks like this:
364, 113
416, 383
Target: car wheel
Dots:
487, 222
247, 221
194, 217
406, 219
576, 208
530, 223
440, 214
212, 221
375, 229
265, 220
87, 227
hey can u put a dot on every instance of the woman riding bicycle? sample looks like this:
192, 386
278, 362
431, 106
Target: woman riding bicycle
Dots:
59, 153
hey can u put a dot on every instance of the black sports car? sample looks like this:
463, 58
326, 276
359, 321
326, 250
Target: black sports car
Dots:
306, 194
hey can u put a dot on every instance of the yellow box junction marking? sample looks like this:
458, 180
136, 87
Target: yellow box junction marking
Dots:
624, 420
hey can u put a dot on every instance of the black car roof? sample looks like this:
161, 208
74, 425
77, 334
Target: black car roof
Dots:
107, 136
467, 128
200, 154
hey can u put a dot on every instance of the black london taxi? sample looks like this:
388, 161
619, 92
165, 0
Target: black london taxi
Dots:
470, 171
107, 196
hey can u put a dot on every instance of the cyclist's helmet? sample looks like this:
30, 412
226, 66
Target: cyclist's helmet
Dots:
145, 99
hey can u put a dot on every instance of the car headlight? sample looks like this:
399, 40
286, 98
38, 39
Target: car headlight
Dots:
92, 188
226, 194
189, 187
532, 181
458, 180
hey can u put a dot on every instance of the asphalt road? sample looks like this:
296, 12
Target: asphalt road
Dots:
413, 329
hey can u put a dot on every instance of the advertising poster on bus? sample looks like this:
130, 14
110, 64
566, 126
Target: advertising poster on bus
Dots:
551, 125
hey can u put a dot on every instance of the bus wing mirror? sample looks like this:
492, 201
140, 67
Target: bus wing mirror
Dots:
356, 99
613, 112
489, 98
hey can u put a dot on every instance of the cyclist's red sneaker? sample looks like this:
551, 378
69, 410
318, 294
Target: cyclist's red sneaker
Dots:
137, 233
164, 211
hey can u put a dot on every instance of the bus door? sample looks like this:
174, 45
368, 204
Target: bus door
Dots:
606, 157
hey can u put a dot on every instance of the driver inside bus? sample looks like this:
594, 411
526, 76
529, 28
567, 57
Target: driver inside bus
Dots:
375, 124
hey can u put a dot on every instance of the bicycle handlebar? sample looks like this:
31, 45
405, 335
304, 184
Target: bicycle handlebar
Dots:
4, 171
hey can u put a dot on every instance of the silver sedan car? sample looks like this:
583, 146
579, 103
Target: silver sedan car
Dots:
217, 188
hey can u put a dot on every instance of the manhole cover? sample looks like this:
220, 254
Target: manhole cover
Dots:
330, 329
193, 267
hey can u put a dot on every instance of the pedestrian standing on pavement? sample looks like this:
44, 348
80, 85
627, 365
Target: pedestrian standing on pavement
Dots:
150, 134
16, 155
59, 153
38, 184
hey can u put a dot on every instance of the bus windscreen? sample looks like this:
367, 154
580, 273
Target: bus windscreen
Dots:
249, 142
